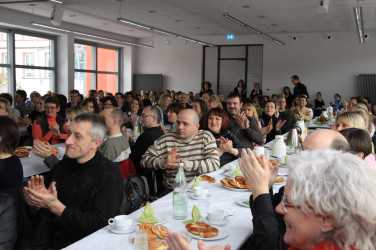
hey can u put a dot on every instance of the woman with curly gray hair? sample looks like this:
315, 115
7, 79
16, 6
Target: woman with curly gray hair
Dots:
329, 202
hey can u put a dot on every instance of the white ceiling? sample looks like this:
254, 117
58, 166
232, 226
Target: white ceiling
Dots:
196, 18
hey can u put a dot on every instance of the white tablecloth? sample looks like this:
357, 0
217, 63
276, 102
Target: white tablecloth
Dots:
239, 226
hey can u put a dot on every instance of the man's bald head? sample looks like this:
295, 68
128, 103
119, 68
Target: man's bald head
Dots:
191, 114
326, 139
188, 123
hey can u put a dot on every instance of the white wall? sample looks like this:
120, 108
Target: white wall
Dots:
324, 65
329, 66
178, 61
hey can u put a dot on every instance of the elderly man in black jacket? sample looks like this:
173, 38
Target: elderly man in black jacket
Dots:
84, 189
151, 123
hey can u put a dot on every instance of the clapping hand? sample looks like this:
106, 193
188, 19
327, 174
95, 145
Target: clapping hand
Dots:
258, 172
173, 159
225, 144
268, 128
280, 124
242, 120
42, 149
178, 242
37, 195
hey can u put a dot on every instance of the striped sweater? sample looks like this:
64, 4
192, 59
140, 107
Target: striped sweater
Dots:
198, 154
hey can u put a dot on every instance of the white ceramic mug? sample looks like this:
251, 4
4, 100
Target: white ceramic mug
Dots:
216, 216
259, 150
121, 222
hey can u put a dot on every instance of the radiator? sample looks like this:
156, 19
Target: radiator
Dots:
366, 85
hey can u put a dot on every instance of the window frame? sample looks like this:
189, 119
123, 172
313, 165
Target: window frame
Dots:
8, 65
96, 71
12, 66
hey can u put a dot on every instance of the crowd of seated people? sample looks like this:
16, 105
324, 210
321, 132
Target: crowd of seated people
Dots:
158, 132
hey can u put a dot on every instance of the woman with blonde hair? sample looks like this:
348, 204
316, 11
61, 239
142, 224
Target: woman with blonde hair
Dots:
350, 119
214, 102
250, 110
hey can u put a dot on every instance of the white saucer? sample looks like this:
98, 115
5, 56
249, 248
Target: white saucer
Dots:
130, 230
221, 235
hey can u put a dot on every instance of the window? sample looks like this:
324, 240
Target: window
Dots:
4, 62
96, 67
34, 63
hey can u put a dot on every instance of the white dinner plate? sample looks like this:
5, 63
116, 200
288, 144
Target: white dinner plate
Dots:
130, 230
243, 203
221, 235
236, 189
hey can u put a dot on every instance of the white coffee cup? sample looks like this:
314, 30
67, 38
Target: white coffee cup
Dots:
121, 223
216, 216
259, 150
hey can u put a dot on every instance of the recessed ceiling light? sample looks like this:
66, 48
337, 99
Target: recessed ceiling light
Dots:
261, 17
246, 6
152, 11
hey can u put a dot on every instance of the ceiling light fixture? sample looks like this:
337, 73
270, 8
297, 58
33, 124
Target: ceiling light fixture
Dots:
253, 29
358, 14
57, 1
161, 31
139, 25
90, 35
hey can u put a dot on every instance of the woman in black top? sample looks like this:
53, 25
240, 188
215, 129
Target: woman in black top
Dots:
288, 95
256, 91
240, 89
11, 175
218, 122
206, 88
319, 104
272, 123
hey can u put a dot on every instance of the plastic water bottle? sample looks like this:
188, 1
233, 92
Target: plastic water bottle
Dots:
179, 195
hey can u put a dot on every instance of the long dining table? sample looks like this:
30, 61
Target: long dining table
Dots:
238, 227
